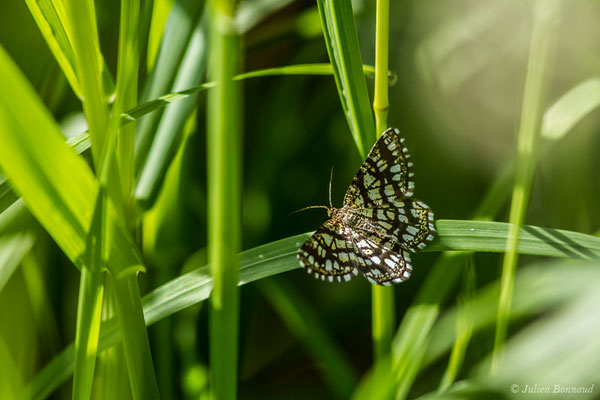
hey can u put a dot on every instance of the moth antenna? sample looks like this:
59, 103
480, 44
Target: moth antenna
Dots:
308, 208
330, 180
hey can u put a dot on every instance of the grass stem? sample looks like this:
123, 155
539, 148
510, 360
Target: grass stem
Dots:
383, 308
224, 198
542, 43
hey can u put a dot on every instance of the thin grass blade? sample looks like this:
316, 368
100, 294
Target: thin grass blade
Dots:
543, 40
339, 30
89, 304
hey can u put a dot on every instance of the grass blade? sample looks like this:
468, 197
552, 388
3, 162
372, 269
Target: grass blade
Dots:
168, 134
384, 310
463, 329
571, 108
136, 346
339, 30
542, 43
304, 324
121, 186
89, 304
183, 19
280, 256
224, 181
57, 185
86, 49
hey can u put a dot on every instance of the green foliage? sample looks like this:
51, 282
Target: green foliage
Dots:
225, 116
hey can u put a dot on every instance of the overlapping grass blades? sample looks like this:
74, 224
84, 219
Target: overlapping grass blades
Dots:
280, 256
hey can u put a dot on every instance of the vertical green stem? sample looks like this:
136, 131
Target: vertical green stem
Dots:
224, 197
88, 68
128, 305
542, 43
126, 98
382, 297
380, 101
87, 331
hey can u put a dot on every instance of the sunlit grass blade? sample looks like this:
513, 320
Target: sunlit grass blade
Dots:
250, 13
542, 45
50, 16
412, 337
463, 329
536, 354
571, 108
13, 248
17, 237
81, 18
136, 346
120, 185
89, 304
57, 185
339, 30
304, 324
567, 278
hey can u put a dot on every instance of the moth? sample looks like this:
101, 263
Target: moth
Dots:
379, 225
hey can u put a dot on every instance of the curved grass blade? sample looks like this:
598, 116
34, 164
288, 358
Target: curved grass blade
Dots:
571, 108
280, 256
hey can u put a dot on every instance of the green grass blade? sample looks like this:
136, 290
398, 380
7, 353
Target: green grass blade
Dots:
57, 185
17, 237
339, 30
412, 338
89, 304
383, 306
304, 324
224, 186
184, 17
169, 131
13, 248
11, 380
136, 346
126, 97
571, 108
542, 43
280, 256
250, 13
49, 16
463, 329
565, 278
380, 98
88, 66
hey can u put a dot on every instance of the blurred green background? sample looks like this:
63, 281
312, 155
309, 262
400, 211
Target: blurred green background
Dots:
460, 67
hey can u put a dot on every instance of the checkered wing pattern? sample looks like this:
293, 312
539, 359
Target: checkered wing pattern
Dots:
406, 224
380, 264
384, 176
329, 253
379, 225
